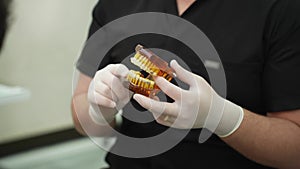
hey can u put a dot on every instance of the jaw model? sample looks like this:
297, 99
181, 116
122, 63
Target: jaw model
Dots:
154, 66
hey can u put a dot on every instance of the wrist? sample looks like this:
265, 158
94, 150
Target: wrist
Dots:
231, 120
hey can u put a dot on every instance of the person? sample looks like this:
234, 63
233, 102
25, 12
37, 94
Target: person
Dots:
258, 42
4, 6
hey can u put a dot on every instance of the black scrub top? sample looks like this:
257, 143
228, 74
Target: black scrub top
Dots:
258, 42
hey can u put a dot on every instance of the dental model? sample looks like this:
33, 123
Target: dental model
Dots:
154, 66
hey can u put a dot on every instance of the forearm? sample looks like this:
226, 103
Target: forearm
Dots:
270, 141
81, 117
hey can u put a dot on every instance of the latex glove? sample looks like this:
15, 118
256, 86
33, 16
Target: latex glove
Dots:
107, 94
191, 108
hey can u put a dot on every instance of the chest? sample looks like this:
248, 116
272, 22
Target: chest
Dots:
236, 34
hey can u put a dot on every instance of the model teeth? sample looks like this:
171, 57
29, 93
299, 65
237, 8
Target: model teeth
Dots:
135, 78
144, 63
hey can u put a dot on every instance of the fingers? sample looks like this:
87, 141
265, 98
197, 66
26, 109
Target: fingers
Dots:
183, 74
156, 98
163, 112
112, 76
115, 84
168, 88
118, 70
101, 100
166, 120
105, 90
156, 107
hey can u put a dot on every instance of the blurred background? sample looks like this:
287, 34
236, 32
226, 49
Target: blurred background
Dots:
44, 39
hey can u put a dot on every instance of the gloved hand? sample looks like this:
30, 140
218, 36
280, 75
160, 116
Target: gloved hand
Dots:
191, 108
106, 94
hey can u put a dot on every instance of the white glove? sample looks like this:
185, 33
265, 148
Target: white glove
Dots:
106, 94
198, 107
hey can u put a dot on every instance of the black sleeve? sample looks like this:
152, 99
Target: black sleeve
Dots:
281, 79
89, 65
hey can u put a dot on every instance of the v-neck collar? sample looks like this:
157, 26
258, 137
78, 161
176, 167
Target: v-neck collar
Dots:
175, 6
